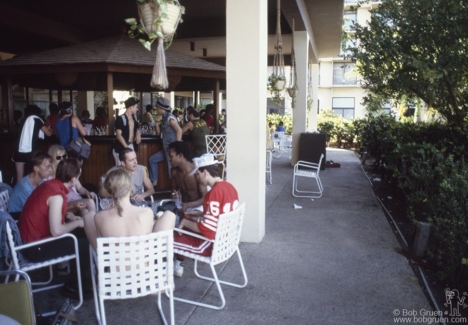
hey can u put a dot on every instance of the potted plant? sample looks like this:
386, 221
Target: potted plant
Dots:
275, 86
158, 20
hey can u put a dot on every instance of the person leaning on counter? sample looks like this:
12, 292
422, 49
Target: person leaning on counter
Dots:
126, 129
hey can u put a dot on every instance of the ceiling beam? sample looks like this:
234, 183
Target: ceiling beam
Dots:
28, 22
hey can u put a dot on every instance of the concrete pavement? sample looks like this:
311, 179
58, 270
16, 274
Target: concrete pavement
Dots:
331, 262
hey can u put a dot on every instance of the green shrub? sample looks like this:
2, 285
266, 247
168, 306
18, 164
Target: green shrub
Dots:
276, 118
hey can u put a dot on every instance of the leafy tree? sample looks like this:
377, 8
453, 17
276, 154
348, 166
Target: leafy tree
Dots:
417, 48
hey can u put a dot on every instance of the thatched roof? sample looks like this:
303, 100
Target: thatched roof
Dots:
117, 54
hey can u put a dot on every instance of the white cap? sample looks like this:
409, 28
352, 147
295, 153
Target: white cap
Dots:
205, 160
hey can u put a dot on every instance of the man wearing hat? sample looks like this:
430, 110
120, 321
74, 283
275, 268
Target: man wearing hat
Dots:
170, 131
126, 129
222, 198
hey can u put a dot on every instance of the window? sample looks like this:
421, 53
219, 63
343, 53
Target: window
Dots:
351, 42
387, 107
342, 74
349, 19
343, 106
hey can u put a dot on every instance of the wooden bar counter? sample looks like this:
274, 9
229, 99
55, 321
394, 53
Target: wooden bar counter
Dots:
99, 162
101, 159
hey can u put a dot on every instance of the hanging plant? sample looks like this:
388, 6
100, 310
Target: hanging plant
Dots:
275, 89
277, 80
293, 89
158, 21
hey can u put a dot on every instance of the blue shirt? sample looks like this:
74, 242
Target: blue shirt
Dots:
280, 128
63, 131
20, 194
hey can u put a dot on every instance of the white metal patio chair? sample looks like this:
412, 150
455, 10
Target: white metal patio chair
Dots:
268, 166
130, 267
304, 169
225, 244
17, 263
4, 200
16, 300
217, 145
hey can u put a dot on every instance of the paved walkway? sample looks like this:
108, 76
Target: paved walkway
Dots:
331, 262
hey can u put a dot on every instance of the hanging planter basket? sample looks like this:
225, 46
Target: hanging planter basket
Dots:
280, 84
158, 21
292, 92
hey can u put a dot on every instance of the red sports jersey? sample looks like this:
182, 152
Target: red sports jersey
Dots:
222, 198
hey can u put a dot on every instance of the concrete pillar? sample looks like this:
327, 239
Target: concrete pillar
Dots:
246, 67
301, 50
314, 96
85, 102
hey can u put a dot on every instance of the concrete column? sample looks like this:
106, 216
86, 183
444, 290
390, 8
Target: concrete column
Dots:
301, 50
170, 97
85, 102
246, 67
314, 96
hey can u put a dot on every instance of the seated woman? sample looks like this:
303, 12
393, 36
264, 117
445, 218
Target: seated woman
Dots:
58, 153
123, 219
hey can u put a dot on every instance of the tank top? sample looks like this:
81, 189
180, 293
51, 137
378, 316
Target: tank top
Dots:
168, 134
200, 129
63, 131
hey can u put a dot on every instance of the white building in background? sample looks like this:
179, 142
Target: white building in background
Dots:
338, 85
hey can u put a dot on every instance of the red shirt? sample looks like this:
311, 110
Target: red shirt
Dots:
220, 199
209, 120
51, 120
34, 220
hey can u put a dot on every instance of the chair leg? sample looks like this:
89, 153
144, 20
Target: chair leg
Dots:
225, 282
170, 295
296, 192
220, 292
218, 283
102, 311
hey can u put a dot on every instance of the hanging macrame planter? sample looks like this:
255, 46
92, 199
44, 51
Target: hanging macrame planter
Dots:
158, 20
293, 89
277, 80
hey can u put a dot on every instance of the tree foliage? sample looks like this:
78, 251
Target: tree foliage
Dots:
417, 48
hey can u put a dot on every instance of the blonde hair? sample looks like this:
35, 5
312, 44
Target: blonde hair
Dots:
53, 150
118, 184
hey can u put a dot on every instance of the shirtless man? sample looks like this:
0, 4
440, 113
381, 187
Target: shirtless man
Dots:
192, 192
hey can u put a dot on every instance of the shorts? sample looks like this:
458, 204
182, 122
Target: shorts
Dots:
192, 244
20, 157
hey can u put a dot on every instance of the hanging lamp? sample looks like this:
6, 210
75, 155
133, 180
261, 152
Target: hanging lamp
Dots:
293, 89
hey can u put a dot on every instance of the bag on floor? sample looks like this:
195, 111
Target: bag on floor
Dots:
65, 315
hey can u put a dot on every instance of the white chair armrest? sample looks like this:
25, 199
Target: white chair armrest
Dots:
46, 240
193, 234
307, 164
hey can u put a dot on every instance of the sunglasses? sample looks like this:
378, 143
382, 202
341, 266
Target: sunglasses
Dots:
61, 157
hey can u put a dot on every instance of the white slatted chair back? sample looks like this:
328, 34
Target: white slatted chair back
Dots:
4, 200
130, 267
228, 235
217, 145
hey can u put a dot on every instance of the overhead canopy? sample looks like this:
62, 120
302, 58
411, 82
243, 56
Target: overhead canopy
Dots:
30, 26
85, 66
